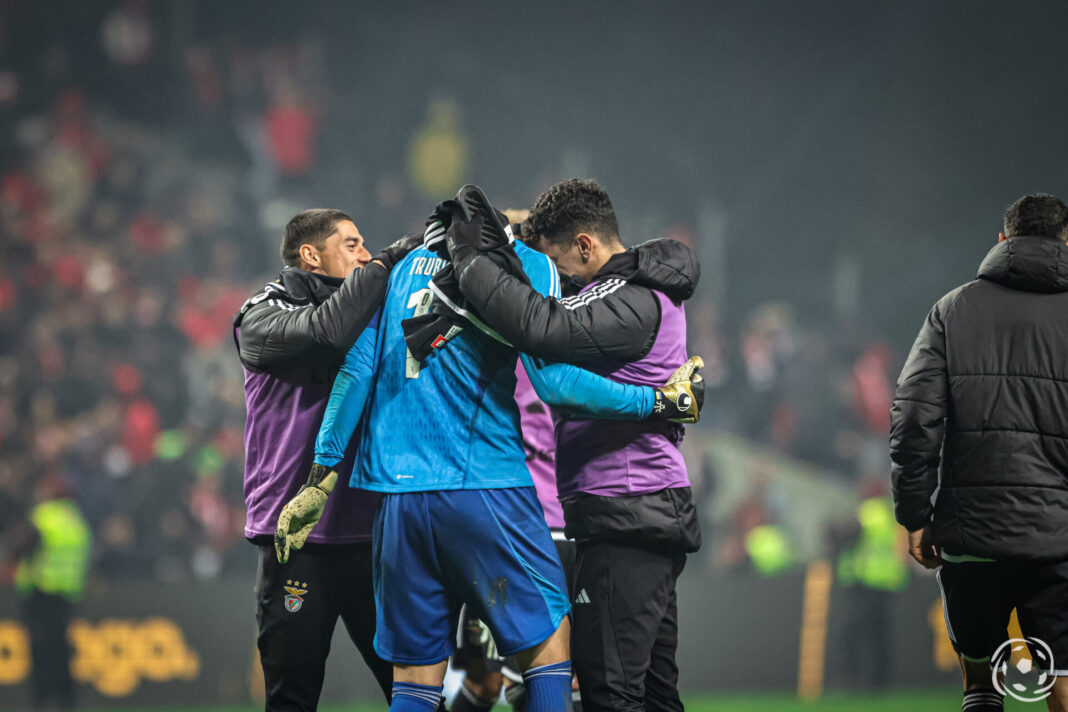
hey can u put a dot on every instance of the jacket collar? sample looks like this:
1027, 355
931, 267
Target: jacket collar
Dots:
1027, 263
665, 265
305, 287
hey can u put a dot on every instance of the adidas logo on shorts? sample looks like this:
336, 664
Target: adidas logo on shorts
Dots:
582, 597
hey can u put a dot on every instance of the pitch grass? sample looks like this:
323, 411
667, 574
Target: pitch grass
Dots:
940, 701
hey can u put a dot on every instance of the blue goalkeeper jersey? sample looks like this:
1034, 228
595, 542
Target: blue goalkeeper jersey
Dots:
451, 422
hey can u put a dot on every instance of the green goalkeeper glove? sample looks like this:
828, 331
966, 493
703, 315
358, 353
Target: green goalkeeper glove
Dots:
301, 513
681, 398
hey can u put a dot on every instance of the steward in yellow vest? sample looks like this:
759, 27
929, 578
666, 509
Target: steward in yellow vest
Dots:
59, 564
875, 560
53, 563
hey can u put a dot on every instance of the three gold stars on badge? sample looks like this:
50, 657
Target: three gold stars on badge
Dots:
298, 584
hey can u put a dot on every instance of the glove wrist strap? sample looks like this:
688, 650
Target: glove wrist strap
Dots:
320, 478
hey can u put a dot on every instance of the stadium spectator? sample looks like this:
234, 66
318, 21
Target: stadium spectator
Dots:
290, 126
980, 416
438, 152
291, 337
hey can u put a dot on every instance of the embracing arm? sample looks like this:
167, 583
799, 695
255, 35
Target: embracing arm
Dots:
613, 319
347, 399
581, 393
275, 334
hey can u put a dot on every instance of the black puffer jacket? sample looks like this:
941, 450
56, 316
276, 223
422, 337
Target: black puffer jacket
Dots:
618, 319
306, 319
985, 391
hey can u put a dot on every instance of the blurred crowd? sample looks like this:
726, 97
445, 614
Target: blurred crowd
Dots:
131, 239
124, 264
818, 396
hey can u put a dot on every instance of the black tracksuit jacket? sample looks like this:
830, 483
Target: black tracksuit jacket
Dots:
307, 319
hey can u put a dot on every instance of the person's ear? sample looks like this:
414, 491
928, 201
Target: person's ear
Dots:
585, 246
309, 255
1001, 237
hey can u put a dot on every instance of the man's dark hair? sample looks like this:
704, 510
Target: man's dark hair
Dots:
309, 227
1041, 214
571, 207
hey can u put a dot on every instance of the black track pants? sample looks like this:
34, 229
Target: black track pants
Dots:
625, 627
297, 607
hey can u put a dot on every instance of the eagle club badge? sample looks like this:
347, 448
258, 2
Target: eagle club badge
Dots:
295, 589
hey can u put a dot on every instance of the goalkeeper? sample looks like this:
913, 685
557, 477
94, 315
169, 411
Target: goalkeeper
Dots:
459, 520
624, 486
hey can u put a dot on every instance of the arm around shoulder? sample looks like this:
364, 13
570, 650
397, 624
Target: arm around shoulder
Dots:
274, 333
616, 324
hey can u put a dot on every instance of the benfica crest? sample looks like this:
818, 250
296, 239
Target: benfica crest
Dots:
293, 601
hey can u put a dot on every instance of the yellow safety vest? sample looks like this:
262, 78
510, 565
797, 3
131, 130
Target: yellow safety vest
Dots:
876, 560
769, 550
61, 560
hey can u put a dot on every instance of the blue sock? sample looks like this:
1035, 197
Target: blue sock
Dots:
549, 688
409, 697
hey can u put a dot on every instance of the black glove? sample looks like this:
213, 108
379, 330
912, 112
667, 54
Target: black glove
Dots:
463, 239
399, 250
445, 212
436, 225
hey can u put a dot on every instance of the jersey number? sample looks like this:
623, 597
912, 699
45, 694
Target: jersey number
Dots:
420, 301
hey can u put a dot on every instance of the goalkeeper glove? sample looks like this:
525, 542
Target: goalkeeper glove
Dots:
476, 226
680, 399
301, 513
463, 239
438, 222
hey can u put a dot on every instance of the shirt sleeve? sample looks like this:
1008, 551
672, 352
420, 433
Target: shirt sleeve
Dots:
578, 392
547, 279
348, 397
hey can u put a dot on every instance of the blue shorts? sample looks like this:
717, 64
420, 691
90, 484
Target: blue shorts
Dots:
488, 548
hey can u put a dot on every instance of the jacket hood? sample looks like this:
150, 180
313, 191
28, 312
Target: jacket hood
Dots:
304, 287
665, 265
1031, 264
